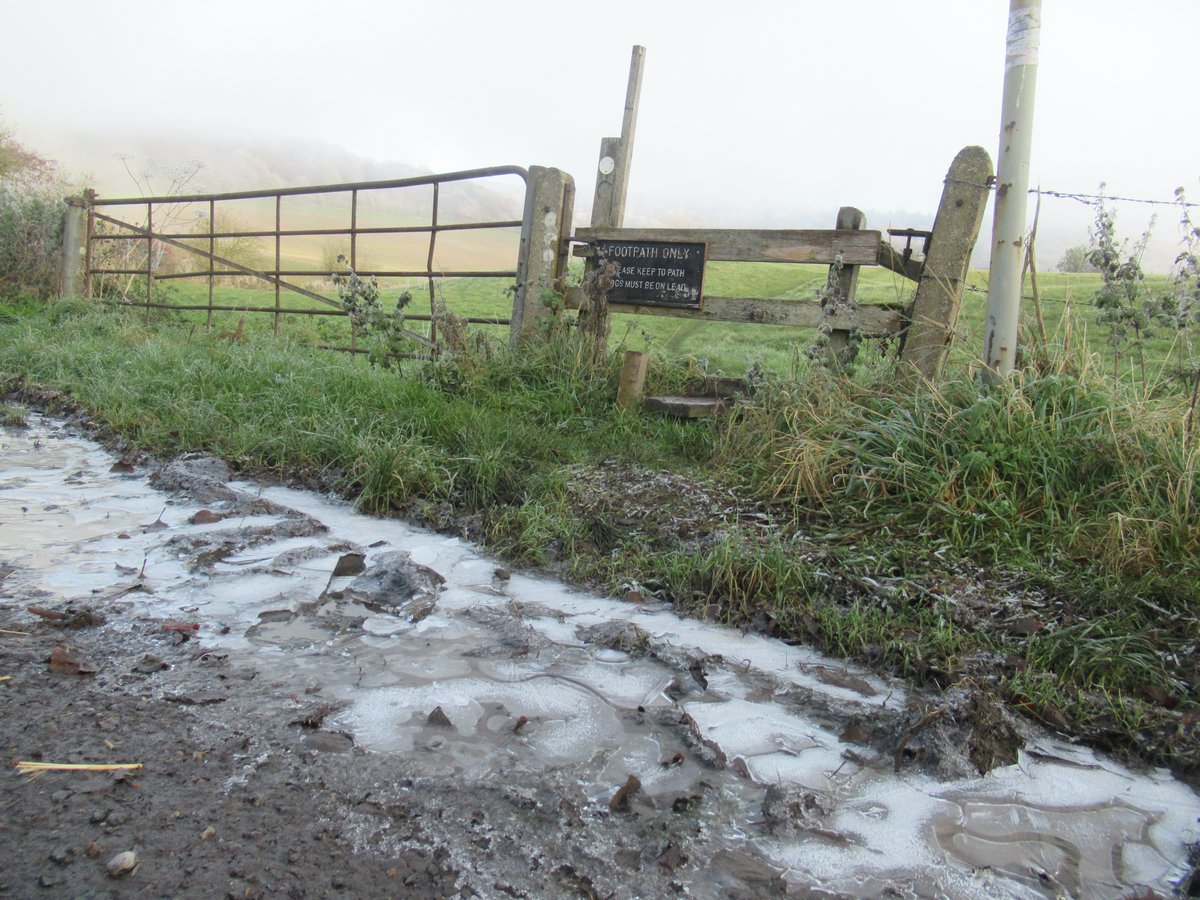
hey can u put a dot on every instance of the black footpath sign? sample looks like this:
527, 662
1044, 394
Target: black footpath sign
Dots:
655, 273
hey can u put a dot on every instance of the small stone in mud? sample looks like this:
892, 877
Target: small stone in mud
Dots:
439, 718
397, 585
60, 855
349, 564
329, 741
855, 733
672, 858
624, 636
150, 664
122, 864
620, 800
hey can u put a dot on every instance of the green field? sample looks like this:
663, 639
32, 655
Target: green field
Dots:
1068, 315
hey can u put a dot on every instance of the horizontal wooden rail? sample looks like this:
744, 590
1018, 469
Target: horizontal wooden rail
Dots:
868, 318
854, 247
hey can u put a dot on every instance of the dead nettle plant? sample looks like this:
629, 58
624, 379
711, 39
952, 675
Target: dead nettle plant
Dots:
382, 330
833, 300
1127, 308
594, 321
1182, 306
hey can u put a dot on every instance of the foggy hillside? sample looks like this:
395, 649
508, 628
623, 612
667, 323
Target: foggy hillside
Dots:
137, 165
107, 161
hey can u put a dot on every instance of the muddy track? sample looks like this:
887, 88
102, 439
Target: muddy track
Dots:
329, 705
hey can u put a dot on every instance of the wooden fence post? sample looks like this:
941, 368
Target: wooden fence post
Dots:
612, 173
943, 278
633, 379
542, 259
73, 253
842, 284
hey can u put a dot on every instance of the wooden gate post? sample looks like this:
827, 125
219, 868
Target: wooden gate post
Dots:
943, 277
612, 172
843, 282
73, 253
542, 259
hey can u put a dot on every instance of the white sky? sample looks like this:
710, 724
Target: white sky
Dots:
751, 110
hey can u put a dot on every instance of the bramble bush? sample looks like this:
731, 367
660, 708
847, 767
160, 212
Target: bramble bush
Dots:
31, 220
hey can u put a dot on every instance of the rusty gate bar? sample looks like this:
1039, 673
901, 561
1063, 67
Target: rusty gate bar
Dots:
278, 212
88, 260
429, 260
212, 249
416, 181
149, 257
318, 232
353, 258
381, 273
221, 267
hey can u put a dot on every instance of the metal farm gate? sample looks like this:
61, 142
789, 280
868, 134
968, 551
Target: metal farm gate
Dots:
139, 242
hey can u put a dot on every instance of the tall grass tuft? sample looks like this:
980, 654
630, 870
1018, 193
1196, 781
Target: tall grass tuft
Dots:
1054, 467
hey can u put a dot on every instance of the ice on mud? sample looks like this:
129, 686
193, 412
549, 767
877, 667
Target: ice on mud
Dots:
1061, 820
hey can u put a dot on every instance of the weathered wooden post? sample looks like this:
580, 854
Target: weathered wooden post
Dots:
542, 259
843, 281
632, 388
943, 277
616, 154
73, 253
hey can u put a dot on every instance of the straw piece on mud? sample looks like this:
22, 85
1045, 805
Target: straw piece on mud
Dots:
18, 633
5, 677
37, 768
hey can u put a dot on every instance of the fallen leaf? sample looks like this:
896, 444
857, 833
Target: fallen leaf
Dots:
620, 800
64, 663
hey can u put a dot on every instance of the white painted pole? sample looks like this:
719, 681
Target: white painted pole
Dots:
1012, 188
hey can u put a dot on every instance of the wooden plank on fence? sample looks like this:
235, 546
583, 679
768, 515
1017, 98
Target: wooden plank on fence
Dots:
868, 318
859, 248
891, 258
685, 407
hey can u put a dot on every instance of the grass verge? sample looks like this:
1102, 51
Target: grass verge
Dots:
1040, 540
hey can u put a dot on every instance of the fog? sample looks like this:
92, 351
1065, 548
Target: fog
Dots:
756, 113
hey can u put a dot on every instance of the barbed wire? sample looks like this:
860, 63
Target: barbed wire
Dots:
1086, 199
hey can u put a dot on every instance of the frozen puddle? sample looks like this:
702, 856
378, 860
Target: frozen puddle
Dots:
507, 678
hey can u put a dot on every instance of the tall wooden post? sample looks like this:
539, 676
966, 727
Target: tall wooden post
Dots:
943, 277
542, 260
612, 173
73, 253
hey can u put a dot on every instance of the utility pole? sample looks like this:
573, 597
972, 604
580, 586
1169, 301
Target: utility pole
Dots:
1012, 188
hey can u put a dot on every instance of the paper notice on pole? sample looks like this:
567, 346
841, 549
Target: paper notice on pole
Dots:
1024, 30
